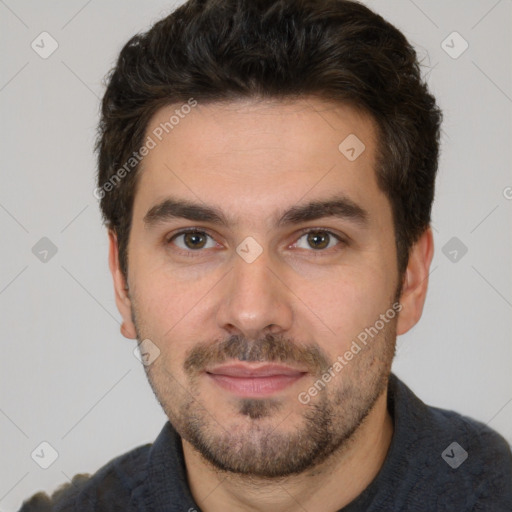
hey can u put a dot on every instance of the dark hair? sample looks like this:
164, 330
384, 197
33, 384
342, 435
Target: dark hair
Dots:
224, 50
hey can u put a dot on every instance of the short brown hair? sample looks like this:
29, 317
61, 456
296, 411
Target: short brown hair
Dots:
224, 50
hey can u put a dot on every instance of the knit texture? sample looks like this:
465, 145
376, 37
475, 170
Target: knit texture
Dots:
415, 477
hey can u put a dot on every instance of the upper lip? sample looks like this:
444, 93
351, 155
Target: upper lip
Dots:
248, 371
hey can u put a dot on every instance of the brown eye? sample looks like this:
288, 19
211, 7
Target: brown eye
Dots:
192, 240
318, 240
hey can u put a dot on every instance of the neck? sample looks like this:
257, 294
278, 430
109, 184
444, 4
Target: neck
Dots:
327, 487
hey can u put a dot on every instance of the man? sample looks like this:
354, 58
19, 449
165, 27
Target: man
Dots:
266, 174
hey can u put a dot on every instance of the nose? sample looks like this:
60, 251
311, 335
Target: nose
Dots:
255, 299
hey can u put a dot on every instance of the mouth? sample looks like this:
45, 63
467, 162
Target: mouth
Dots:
253, 380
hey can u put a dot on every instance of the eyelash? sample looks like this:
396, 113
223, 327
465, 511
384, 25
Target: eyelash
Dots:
194, 253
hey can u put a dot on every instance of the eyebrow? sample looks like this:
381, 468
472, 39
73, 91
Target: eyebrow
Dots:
340, 207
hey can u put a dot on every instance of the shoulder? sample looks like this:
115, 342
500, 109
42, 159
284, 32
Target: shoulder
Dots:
480, 442
458, 460
426, 425
477, 458
113, 487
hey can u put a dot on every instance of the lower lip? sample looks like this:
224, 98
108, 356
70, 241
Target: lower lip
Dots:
255, 386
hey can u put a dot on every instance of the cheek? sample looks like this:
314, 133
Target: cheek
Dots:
163, 296
170, 312
349, 302
158, 305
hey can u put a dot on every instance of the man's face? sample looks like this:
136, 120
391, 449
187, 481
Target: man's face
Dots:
249, 313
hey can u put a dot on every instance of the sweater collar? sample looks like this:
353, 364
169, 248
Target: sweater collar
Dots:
167, 487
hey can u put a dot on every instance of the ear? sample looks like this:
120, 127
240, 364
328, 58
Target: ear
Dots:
414, 290
120, 287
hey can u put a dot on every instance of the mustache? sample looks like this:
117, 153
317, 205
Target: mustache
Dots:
271, 348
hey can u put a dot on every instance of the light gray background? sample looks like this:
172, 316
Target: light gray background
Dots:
68, 377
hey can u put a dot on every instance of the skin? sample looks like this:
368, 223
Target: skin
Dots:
253, 160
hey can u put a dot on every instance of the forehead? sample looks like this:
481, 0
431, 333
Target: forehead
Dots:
257, 157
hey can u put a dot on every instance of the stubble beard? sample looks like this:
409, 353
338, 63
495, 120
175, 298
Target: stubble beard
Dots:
255, 444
